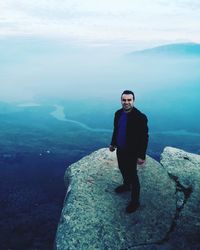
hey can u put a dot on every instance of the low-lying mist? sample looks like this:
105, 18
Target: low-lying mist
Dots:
166, 85
34, 68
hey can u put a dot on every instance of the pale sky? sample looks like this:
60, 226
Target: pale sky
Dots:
143, 23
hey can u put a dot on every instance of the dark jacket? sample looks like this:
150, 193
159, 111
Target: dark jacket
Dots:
136, 132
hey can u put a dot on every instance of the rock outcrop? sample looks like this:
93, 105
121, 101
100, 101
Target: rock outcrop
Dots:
93, 215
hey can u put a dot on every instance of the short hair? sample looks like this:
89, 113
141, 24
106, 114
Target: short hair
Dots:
128, 92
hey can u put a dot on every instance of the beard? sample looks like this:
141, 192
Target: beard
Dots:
127, 108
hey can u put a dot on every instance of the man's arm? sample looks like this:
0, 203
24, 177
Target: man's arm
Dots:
144, 137
112, 148
140, 161
113, 143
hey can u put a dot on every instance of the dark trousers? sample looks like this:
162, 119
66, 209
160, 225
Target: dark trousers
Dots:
127, 163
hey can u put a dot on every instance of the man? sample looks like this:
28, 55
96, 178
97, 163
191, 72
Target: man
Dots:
130, 137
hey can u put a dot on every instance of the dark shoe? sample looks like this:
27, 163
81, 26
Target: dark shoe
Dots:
122, 188
132, 207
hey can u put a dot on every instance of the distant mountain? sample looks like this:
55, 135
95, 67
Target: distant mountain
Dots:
178, 49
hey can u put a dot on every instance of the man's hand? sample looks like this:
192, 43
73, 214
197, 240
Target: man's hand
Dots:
140, 161
111, 148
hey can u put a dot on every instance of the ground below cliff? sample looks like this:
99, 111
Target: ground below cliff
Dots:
93, 215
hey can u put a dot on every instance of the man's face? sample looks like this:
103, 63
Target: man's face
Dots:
127, 102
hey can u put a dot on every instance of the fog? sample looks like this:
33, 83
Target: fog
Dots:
36, 69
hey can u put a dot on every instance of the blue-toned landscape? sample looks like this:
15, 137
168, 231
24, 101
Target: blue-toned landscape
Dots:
62, 113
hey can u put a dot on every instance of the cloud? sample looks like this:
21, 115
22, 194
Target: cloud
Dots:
103, 21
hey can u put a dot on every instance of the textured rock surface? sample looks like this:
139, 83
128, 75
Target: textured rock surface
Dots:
184, 169
94, 217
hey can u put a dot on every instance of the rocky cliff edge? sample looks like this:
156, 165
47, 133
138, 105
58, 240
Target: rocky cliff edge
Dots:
93, 215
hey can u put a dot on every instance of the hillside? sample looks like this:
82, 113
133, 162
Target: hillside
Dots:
178, 49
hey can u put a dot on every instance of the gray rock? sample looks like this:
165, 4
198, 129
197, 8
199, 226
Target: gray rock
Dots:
184, 168
93, 215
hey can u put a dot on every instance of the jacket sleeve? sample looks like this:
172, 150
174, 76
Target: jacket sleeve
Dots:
144, 137
114, 135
